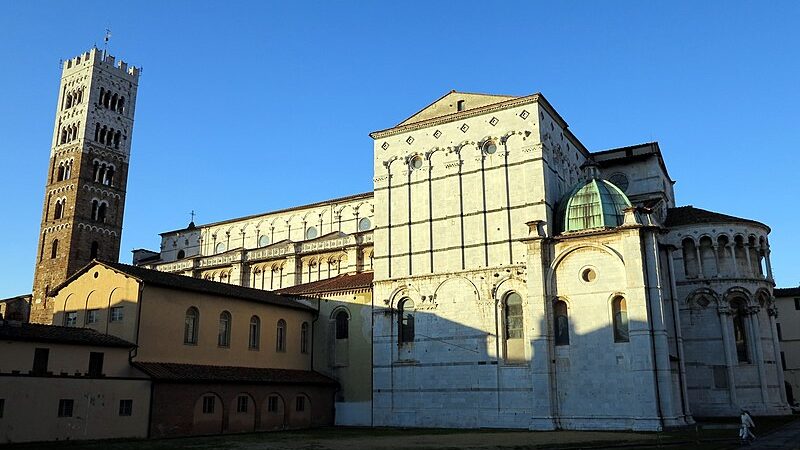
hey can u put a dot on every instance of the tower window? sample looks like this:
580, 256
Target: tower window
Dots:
54, 249
59, 210
95, 250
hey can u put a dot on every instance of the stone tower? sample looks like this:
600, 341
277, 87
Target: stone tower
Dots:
85, 190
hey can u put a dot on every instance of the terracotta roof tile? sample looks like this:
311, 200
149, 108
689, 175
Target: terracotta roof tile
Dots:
786, 292
689, 215
174, 281
230, 374
344, 282
34, 332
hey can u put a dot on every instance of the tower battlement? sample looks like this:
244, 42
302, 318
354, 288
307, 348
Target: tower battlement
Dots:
95, 56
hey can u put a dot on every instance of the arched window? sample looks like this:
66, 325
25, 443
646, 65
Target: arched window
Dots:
117, 138
739, 330
513, 327
304, 337
181, 254
96, 134
60, 175
109, 177
224, 338
560, 323
280, 341
619, 309
513, 316
54, 249
101, 213
690, 265
59, 210
255, 333
342, 325
95, 250
95, 205
68, 170
405, 321
190, 330
121, 105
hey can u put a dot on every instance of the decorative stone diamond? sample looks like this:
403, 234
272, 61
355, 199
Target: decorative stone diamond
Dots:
524, 114
464, 128
410, 140
385, 145
493, 121
437, 134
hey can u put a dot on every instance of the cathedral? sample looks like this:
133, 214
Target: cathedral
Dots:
499, 274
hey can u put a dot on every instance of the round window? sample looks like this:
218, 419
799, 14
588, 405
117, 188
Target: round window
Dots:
489, 147
220, 247
588, 275
263, 241
311, 233
619, 180
416, 162
364, 224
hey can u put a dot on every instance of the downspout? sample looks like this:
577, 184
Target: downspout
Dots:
138, 315
372, 358
652, 336
675, 329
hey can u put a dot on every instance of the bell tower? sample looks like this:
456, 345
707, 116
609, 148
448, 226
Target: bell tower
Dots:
85, 190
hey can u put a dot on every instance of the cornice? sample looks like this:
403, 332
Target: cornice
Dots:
457, 116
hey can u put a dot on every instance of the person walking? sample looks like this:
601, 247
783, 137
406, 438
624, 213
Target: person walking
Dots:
745, 435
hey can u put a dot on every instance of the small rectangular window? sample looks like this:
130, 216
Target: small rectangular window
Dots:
40, 357
208, 404
778, 329
272, 403
241, 404
125, 407
2, 406
460, 105
65, 407
71, 319
783, 360
95, 364
116, 314
92, 316
300, 404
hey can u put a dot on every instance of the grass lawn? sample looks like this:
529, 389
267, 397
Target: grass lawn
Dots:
720, 434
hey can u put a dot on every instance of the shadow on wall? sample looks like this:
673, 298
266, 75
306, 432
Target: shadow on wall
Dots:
433, 372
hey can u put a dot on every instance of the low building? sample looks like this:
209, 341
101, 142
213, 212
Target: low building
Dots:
223, 358
343, 340
788, 325
65, 383
16, 308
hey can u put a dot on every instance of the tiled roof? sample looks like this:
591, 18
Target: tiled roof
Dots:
174, 281
786, 292
195, 373
689, 215
278, 211
33, 332
344, 282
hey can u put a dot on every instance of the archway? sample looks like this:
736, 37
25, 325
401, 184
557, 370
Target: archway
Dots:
207, 417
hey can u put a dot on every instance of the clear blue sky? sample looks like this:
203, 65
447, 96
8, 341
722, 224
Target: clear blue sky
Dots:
246, 107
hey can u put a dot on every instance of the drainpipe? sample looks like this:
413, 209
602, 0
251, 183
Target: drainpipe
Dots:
652, 336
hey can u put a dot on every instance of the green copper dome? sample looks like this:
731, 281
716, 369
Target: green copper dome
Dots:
596, 203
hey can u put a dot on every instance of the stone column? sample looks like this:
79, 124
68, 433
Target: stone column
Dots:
655, 297
544, 405
769, 267
758, 355
700, 272
747, 255
733, 258
772, 313
715, 247
724, 312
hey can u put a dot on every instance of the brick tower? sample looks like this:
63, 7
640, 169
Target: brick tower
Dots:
85, 192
